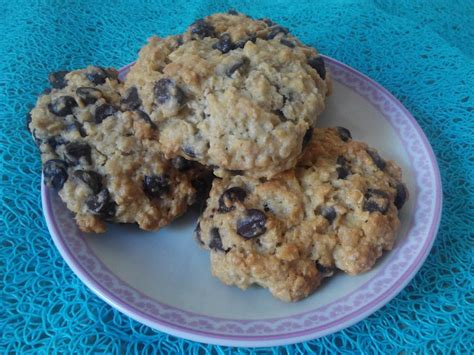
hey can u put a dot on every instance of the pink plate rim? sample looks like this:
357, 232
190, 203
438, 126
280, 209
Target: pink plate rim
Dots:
405, 260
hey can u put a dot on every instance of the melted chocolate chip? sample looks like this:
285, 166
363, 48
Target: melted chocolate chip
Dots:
189, 151
144, 116
326, 271
342, 169
56, 141
181, 164
287, 42
327, 212
103, 111
275, 30
62, 106
90, 178
307, 137
156, 185
77, 126
202, 29
55, 173
98, 75
216, 241
242, 42
166, 89
252, 224
224, 44
88, 95
376, 201
58, 79
131, 101
401, 196
344, 133
228, 197
75, 151
317, 63
378, 161
102, 205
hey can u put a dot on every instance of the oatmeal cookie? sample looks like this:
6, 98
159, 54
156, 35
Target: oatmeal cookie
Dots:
234, 93
338, 209
101, 153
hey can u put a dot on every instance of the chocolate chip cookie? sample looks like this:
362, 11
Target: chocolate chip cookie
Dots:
101, 153
338, 209
234, 93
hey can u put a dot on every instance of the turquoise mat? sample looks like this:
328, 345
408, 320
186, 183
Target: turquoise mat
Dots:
422, 51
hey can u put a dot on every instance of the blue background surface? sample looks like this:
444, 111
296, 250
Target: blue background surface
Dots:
421, 51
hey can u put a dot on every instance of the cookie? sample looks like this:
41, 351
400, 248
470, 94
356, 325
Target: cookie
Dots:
338, 209
233, 93
102, 155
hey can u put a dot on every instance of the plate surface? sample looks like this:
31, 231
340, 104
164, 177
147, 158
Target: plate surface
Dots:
163, 280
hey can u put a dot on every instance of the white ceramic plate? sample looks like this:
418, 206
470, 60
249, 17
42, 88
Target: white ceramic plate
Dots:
162, 279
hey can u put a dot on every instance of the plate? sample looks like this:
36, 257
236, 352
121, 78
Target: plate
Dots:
162, 279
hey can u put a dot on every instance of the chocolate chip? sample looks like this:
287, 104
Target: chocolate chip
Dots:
56, 141
238, 63
378, 161
166, 89
266, 208
189, 151
88, 95
401, 196
252, 225
269, 22
343, 169
224, 44
90, 178
202, 29
275, 30
101, 204
327, 212
75, 151
131, 101
202, 185
344, 133
280, 115
55, 173
77, 126
197, 233
232, 12
287, 42
58, 79
216, 241
317, 63
181, 164
228, 197
62, 106
326, 271
156, 185
144, 116
241, 43
307, 137
97, 75
376, 201
103, 111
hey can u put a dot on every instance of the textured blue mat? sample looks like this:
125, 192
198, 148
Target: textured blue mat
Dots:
421, 51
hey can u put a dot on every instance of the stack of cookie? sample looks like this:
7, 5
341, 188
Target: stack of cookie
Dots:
233, 100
